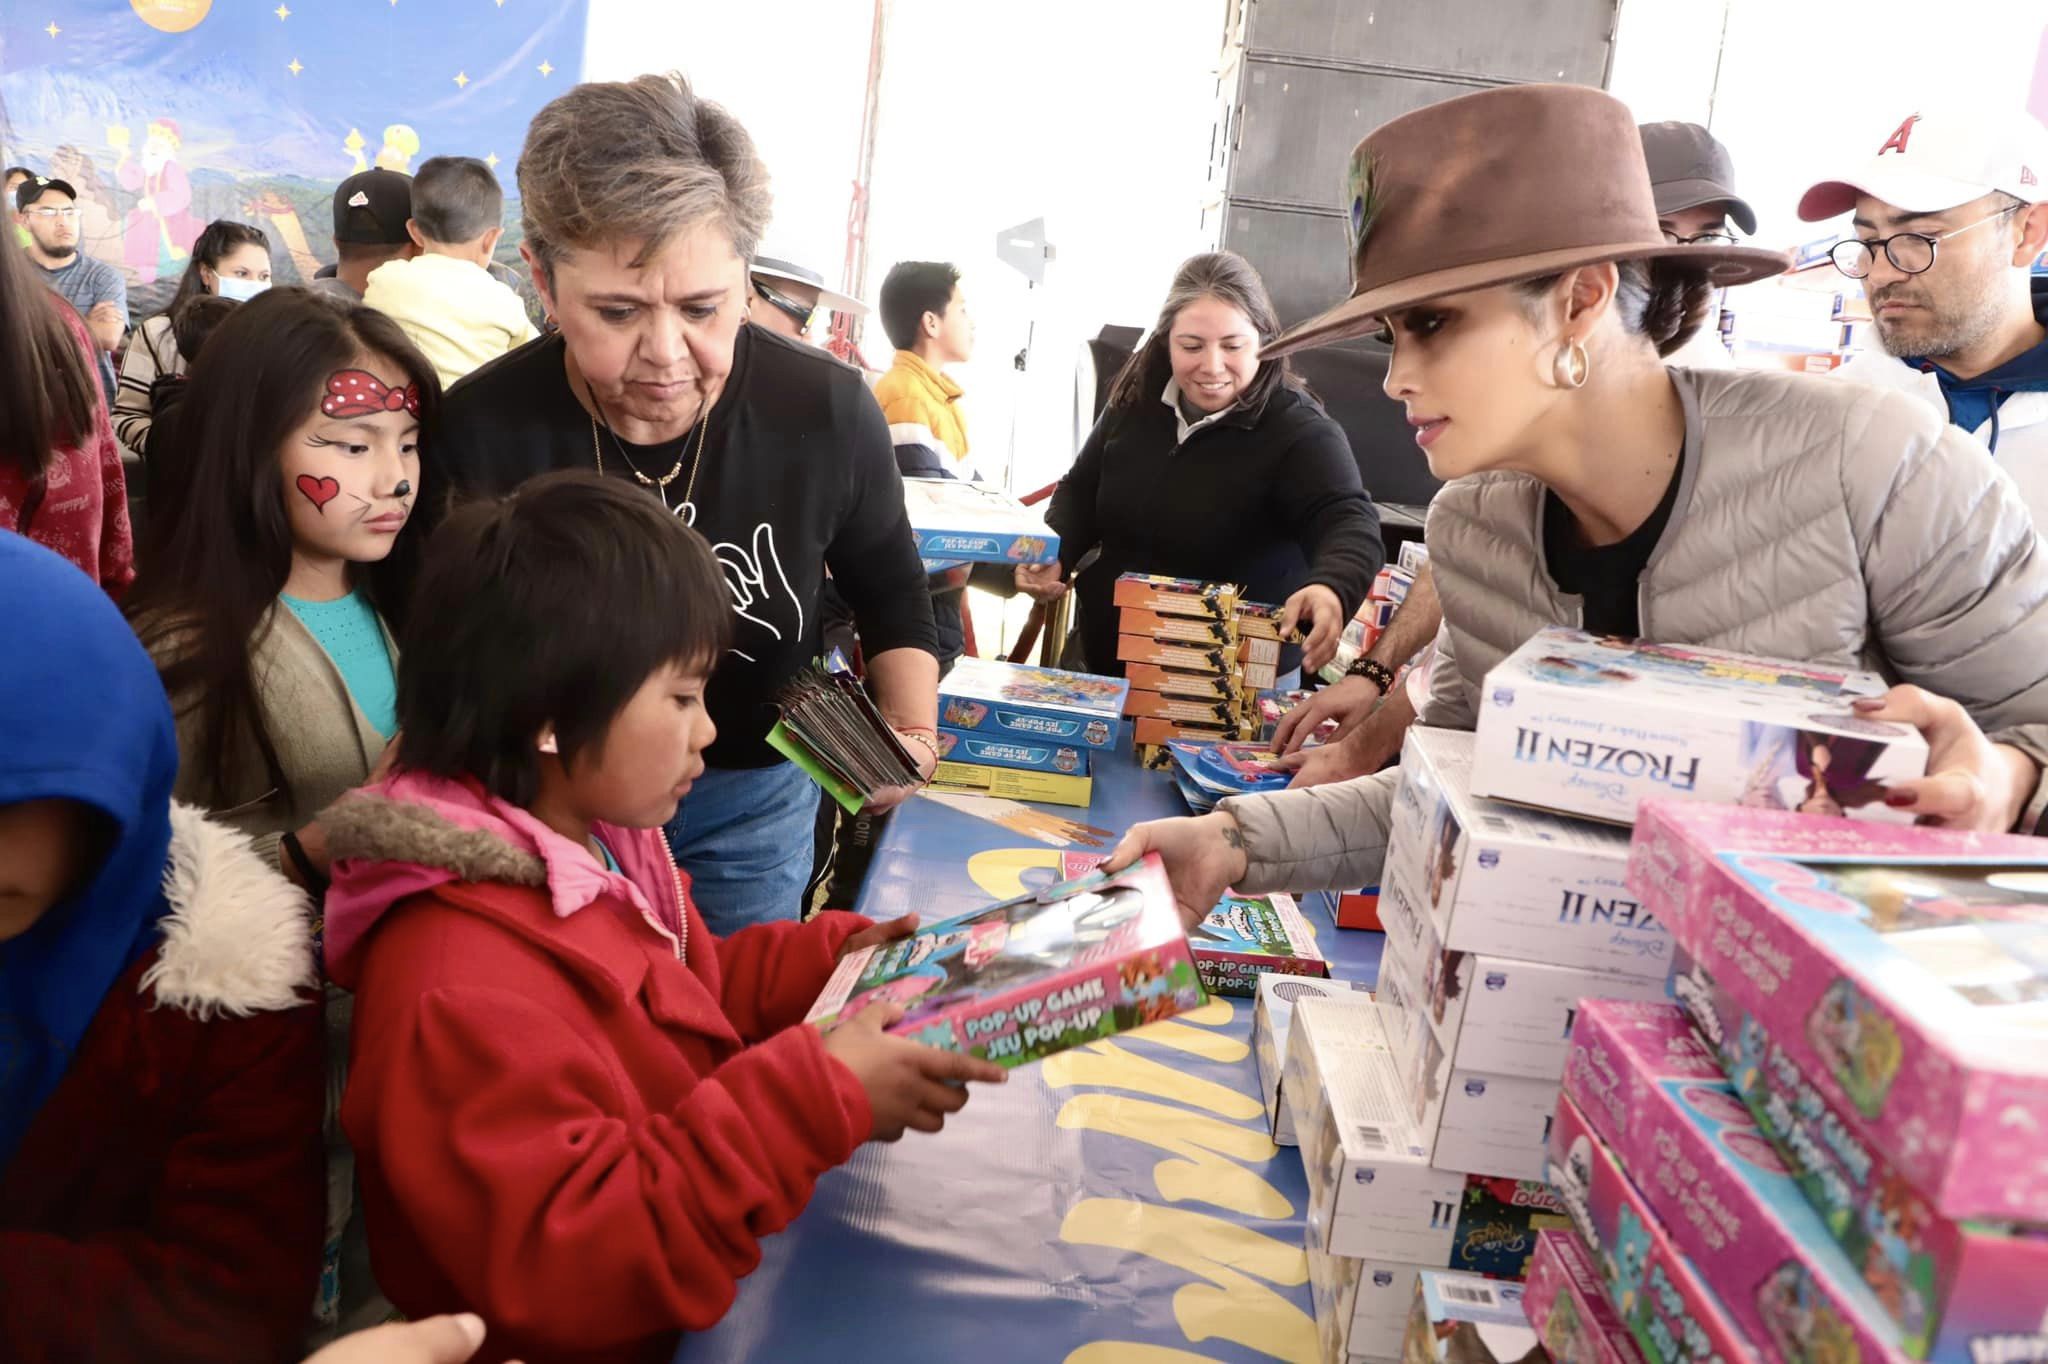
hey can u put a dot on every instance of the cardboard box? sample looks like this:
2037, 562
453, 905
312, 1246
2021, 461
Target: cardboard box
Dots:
1175, 596
1711, 1178
1045, 788
1165, 731
1515, 883
1361, 1305
1258, 620
1272, 1020
1495, 1125
1658, 1294
1211, 658
1205, 631
1958, 1290
1180, 710
1423, 1064
1588, 726
1491, 1013
977, 522
1259, 652
1498, 1224
1569, 1308
1458, 1319
1370, 1187
1026, 755
1199, 686
1901, 970
1011, 701
1258, 677
1360, 909
1248, 937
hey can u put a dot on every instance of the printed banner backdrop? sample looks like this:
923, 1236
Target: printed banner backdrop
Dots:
167, 114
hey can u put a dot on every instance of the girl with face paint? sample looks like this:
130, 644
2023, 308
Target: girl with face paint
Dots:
277, 560
229, 260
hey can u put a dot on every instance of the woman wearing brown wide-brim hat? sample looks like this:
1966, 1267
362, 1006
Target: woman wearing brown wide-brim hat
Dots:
1507, 245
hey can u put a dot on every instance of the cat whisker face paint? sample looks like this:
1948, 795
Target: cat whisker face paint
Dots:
351, 471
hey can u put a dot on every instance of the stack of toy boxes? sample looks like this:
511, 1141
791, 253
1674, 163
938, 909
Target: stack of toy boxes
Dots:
1379, 1214
1871, 1002
1499, 921
1024, 733
1457, 1319
1388, 592
1196, 655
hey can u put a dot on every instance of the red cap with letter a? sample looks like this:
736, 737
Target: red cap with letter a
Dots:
1934, 159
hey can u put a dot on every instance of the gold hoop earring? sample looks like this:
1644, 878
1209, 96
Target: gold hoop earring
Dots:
1572, 366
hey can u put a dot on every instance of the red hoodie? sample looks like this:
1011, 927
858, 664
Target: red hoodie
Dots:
574, 1111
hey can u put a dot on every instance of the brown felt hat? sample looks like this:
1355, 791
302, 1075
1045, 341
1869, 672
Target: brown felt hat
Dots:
1499, 186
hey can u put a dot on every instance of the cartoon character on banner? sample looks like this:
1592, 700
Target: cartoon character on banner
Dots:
161, 230
401, 145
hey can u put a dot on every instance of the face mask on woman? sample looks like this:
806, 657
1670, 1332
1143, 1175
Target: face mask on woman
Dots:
239, 289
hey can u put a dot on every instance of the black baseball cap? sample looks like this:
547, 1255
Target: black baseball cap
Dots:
1689, 167
371, 208
36, 186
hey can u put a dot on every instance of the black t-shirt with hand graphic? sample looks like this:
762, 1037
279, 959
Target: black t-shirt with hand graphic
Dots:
798, 475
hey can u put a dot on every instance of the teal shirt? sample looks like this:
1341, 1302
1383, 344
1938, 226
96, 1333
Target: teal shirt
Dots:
348, 629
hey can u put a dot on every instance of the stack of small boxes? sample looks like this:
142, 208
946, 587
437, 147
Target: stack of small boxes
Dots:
1389, 590
1832, 1149
1502, 922
1196, 655
1024, 733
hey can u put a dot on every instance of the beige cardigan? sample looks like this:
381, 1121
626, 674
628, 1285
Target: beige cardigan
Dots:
324, 744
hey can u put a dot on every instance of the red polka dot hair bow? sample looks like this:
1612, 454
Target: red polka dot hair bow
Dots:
358, 393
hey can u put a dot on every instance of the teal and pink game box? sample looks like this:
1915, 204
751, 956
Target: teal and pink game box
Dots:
1903, 971
1568, 1306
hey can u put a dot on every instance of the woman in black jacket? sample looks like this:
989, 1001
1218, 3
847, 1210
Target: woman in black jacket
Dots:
1208, 464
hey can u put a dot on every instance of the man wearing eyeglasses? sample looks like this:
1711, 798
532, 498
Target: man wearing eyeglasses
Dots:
1691, 180
48, 210
1949, 221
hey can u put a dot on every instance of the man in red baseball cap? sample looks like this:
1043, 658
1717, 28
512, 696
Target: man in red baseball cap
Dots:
1950, 218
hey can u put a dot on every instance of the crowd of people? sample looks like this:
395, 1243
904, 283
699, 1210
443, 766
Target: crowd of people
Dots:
401, 908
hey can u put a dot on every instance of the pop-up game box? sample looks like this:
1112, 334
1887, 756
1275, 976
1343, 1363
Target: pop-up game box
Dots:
1568, 1306
1012, 701
1668, 1309
1904, 972
1511, 882
1371, 1191
1714, 1181
1959, 1290
1028, 977
955, 521
1593, 726
1248, 936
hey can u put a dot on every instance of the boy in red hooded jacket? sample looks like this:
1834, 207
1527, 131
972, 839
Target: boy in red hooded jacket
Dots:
574, 1111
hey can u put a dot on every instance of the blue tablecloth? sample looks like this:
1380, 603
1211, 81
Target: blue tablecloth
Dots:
1118, 1204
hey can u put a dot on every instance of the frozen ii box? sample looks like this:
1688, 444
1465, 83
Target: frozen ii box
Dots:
1591, 725
1902, 971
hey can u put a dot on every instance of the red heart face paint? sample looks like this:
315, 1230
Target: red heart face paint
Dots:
319, 491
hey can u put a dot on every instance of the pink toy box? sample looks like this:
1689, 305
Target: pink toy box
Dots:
1669, 1311
1568, 1306
1687, 1142
1903, 971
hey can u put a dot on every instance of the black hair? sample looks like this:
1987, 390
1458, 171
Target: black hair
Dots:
13, 171
1228, 278
349, 253
620, 587
195, 322
219, 544
219, 238
456, 199
1664, 300
914, 288
48, 387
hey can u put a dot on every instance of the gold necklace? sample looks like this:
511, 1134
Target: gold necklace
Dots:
660, 485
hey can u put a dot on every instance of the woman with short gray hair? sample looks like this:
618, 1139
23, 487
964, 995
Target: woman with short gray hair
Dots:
641, 205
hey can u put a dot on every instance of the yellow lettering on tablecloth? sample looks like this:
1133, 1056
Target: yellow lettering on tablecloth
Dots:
1130, 1352
1232, 1304
1203, 1171
1105, 1065
1224, 1051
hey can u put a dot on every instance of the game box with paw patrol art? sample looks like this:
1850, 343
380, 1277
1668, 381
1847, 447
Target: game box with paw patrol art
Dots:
1655, 1094
1009, 700
1903, 971
958, 521
1025, 978
1593, 726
